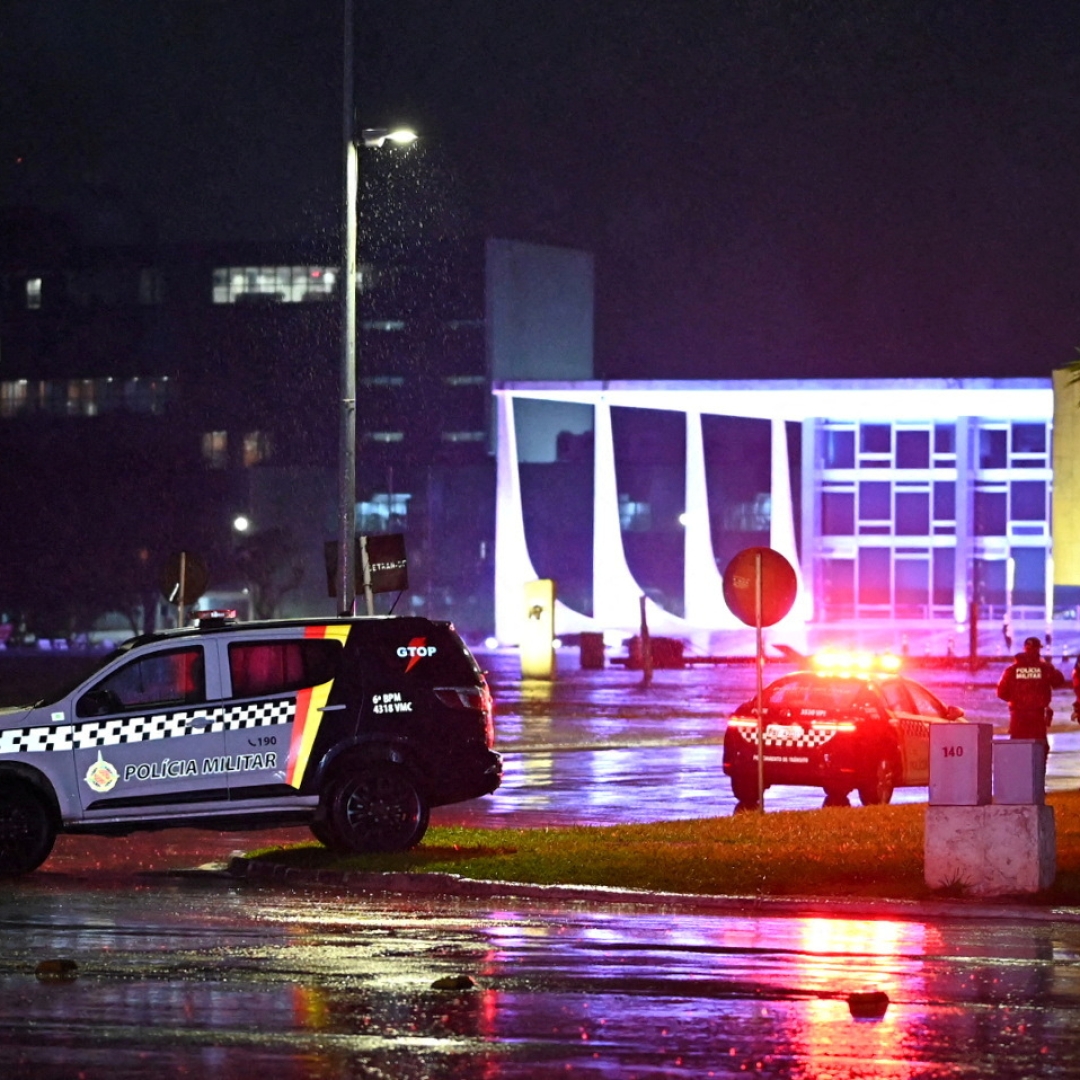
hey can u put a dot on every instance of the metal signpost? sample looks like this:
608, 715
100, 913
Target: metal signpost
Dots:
760, 586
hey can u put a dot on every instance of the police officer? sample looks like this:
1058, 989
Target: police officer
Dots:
1027, 685
1076, 688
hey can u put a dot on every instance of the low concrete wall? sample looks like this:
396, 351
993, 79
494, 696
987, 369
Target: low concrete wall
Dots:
991, 850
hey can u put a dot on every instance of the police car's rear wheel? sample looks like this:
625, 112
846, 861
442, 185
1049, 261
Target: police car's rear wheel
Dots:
877, 788
26, 830
836, 796
744, 786
379, 808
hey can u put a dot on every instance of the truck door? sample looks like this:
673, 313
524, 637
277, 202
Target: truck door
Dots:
145, 731
280, 700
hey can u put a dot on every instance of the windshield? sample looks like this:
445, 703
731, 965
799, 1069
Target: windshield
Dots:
811, 693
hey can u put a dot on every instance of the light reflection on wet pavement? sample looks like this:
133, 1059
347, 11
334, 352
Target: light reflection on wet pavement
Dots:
217, 980
596, 747
220, 983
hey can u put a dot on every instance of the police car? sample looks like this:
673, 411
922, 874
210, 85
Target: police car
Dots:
853, 723
354, 726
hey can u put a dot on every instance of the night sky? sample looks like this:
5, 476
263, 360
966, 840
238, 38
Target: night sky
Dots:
770, 188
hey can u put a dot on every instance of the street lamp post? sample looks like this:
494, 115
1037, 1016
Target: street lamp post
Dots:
372, 137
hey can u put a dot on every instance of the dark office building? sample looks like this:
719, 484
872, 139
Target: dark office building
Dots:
150, 396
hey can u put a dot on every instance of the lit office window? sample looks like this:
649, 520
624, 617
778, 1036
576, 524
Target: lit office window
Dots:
257, 448
274, 284
384, 512
84, 397
464, 436
33, 293
390, 326
215, 449
385, 436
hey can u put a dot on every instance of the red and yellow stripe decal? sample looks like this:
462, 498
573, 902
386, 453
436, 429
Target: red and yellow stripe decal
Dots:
309, 705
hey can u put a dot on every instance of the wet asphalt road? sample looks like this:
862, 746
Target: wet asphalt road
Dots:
202, 977
227, 982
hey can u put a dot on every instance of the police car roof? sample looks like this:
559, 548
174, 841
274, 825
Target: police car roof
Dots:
216, 626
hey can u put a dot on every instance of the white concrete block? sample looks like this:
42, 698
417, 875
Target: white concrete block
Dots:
1019, 772
960, 764
990, 850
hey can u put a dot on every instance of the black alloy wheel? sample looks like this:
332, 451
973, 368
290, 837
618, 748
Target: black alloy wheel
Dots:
378, 808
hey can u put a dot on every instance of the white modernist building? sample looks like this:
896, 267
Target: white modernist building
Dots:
909, 499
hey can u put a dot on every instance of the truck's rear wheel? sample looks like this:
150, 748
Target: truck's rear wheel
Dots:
379, 807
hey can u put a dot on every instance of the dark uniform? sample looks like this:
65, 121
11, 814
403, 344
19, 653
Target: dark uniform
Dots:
1076, 689
1027, 684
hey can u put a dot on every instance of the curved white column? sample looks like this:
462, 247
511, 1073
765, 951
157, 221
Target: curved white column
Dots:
782, 526
703, 584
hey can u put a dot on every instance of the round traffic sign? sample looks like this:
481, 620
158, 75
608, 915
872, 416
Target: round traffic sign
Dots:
778, 585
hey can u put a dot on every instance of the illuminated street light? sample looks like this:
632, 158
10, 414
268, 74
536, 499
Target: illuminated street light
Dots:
375, 137
241, 523
370, 137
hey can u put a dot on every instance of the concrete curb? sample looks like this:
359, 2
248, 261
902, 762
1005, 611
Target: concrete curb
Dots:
440, 884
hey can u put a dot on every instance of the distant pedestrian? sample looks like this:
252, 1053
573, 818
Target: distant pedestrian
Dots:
1027, 684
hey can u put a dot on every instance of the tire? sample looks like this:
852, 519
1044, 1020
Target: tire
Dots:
321, 831
27, 831
378, 808
744, 786
836, 796
877, 788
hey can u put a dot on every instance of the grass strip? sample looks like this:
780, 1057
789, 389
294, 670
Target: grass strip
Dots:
874, 851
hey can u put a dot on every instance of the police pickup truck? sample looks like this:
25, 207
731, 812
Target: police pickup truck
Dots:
353, 726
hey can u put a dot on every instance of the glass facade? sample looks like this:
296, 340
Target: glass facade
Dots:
907, 510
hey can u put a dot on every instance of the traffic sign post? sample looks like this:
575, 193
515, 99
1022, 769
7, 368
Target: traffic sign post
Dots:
760, 586
183, 580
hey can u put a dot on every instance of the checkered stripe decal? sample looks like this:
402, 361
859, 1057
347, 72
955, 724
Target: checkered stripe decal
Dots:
133, 729
786, 737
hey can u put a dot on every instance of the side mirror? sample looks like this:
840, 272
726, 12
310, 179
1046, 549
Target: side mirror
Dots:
954, 712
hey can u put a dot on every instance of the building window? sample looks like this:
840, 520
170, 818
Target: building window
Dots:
274, 284
1028, 500
151, 287
85, 397
464, 436
874, 576
838, 513
384, 512
874, 501
33, 293
389, 326
215, 449
912, 449
382, 380
993, 448
634, 516
384, 436
466, 380
945, 440
912, 513
875, 439
838, 448
256, 448
991, 512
